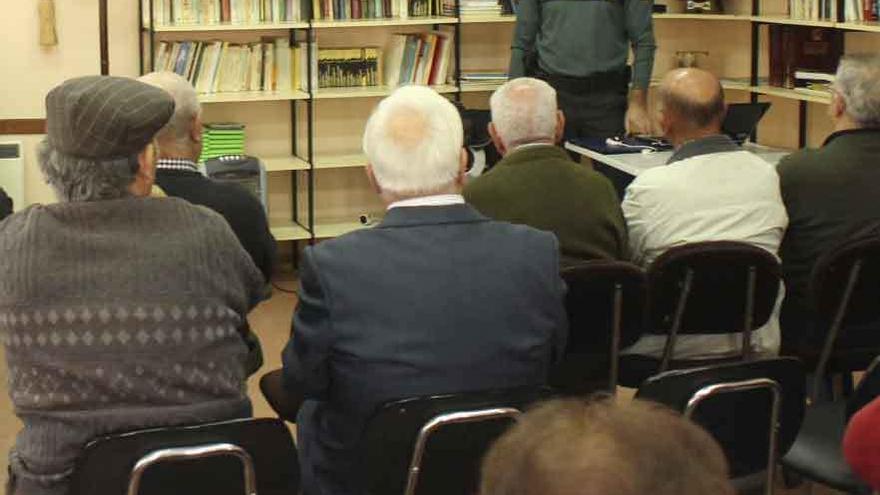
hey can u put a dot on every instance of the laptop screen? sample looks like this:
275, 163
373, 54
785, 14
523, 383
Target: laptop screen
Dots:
742, 118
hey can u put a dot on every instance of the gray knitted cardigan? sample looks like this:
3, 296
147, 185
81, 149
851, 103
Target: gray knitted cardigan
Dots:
118, 315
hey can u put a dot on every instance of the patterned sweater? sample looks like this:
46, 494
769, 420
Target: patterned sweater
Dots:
118, 315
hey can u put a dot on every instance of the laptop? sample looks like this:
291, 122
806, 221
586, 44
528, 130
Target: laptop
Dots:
742, 119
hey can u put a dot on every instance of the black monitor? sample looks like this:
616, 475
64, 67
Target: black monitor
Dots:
742, 118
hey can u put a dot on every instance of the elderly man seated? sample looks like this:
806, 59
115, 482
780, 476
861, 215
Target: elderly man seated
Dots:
710, 190
831, 195
435, 299
537, 184
118, 311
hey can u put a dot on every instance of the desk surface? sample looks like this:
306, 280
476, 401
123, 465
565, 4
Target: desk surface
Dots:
635, 163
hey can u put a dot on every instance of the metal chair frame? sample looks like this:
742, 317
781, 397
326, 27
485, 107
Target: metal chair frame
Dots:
192, 453
616, 323
687, 285
836, 323
742, 386
439, 421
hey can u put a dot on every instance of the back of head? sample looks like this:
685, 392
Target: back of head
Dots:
524, 111
569, 447
186, 106
692, 102
858, 82
413, 142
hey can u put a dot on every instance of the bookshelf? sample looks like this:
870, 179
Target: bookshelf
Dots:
309, 139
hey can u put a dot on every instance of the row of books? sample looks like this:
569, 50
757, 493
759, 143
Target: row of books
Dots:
423, 58
222, 139
375, 9
349, 67
170, 12
861, 10
221, 66
813, 10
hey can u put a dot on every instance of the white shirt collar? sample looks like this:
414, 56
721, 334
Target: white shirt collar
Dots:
530, 145
435, 200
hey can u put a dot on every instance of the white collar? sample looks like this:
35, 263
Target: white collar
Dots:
435, 200
530, 145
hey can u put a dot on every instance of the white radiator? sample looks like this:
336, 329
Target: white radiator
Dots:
12, 172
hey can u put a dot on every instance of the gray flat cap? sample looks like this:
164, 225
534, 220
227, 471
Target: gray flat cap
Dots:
105, 117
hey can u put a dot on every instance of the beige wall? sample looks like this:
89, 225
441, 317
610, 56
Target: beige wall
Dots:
31, 70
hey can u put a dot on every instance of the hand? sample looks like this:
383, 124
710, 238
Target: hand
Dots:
637, 120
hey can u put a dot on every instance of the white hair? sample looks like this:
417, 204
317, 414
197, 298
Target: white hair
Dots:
524, 111
858, 82
186, 105
413, 141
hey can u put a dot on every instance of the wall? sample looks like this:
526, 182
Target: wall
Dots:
31, 70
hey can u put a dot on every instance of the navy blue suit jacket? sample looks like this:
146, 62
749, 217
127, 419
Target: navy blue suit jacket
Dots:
433, 300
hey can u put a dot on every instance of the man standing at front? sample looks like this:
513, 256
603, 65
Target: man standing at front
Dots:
710, 190
435, 299
581, 49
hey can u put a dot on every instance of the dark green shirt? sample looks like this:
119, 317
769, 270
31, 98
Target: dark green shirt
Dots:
831, 194
578, 38
540, 186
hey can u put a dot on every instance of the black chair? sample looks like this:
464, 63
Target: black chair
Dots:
754, 410
434, 445
720, 287
817, 454
606, 312
845, 290
245, 456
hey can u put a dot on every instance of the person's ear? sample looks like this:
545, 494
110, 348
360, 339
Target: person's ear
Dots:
145, 176
496, 139
837, 108
462, 168
560, 126
195, 132
371, 176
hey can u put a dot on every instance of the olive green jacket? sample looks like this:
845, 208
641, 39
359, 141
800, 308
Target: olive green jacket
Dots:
541, 187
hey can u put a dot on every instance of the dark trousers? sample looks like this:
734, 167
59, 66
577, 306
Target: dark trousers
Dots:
594, 113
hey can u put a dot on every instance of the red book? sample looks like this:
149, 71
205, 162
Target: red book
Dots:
224, 11
356, 9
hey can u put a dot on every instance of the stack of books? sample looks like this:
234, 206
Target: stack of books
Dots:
168, 12
813, 82
802, 48
348, 67
222, 140
221, 66
355, 9
861, 10
479, 8
422, 58
812, 10
483, 77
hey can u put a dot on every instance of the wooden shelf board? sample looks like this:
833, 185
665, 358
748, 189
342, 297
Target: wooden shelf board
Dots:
704, 17
352, 160
731, 85
479, 87
873, 27
369, 92
486, 19
287, 230
770, 19
284, 163
410, 21
195, 28
790, 94
244, 96
326, 230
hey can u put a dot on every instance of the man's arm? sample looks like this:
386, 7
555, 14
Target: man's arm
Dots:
640, 31
305, 358
634, 213
528, 21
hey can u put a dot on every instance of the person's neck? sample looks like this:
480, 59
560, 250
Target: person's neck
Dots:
845, 123
177, 152
680, 139
526, 144
389, 198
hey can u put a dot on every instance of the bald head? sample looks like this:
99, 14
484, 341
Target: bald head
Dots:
692, 103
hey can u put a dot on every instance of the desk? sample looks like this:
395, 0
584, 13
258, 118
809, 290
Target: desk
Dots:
635, 163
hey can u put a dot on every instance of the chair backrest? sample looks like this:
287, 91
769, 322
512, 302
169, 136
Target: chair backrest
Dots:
434, 445
845, 289
866, 391
221, 458
735, 403
712, 287
606, 312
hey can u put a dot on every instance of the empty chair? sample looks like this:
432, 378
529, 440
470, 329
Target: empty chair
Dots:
817, 454
720, 287
433, 445
845, 290
606, 312
754, 410
238, 457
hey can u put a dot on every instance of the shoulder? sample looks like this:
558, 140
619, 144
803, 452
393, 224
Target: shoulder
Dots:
799, 163
522, 236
